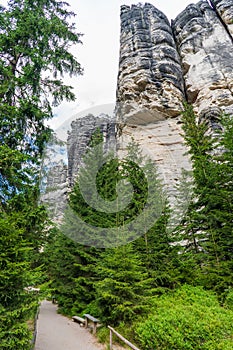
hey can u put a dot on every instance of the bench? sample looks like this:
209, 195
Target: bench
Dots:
78, 319
94, 320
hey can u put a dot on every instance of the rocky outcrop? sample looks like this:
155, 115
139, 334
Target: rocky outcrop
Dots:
206, 52
80, 136
224, 8
161, 65
53, 180
150, 81
161, 142
62, 160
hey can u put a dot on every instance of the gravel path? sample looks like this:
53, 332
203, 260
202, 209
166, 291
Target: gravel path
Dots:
56, 332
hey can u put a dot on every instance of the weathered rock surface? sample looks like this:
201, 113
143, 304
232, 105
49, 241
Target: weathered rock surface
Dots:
206, 52
54, 175
63, 160
80, 136
225, 10
160, 66
162, 142
150, 81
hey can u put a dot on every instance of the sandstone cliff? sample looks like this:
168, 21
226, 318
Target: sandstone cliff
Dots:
224, 9
150, 81
80, 136
161, 65
206, 50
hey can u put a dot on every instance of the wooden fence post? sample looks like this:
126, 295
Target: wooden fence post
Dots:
110, 342
112, 330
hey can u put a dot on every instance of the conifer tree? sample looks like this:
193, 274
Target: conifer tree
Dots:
35, 37
71, 270
34, 55
15, 304
121, 289
209, 218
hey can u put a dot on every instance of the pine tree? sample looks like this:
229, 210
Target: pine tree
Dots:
71, 270
35, 37
15, 304
122, 285
209, 219
35, 40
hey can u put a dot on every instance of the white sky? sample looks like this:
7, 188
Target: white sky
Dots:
99, 21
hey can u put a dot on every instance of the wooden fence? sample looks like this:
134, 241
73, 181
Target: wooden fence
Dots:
112, 330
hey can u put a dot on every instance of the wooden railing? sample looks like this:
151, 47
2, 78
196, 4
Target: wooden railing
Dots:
112, 330
33, 341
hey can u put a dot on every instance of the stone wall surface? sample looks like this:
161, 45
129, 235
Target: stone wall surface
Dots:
150, 82
225, 10
80, 136
162, 142
206, 52
160, 66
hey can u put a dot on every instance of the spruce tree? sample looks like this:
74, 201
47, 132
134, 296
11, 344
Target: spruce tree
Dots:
121, 289
209, 217
35, 39
34, 46
71, 271
16, 305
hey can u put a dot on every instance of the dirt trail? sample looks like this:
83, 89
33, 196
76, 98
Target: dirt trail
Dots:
56, 332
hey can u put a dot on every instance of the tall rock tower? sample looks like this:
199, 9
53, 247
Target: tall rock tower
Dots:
150, 89
150, 80
161, 65
205, 45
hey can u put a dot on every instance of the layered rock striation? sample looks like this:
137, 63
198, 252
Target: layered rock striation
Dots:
224, 9
206, 50
162, 65
79, 138
150, 81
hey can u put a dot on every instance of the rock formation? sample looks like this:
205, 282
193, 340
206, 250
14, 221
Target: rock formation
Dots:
150, 81
63, 159
199, 69
161, 65
80, 136
206, 51
224, 9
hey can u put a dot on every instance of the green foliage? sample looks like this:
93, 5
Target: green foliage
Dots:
15, 275
122, 285
70, 268
188, 318
207, 227
111, 290
229, 300
34, 55
138, 284
35, 37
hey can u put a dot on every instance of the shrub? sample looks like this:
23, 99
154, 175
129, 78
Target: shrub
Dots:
189, 318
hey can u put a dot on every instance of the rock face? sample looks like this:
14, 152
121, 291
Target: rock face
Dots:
54, 176
150, 81
162, 143
80, 136
206, 51
64, 158
224, 9
161, 65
